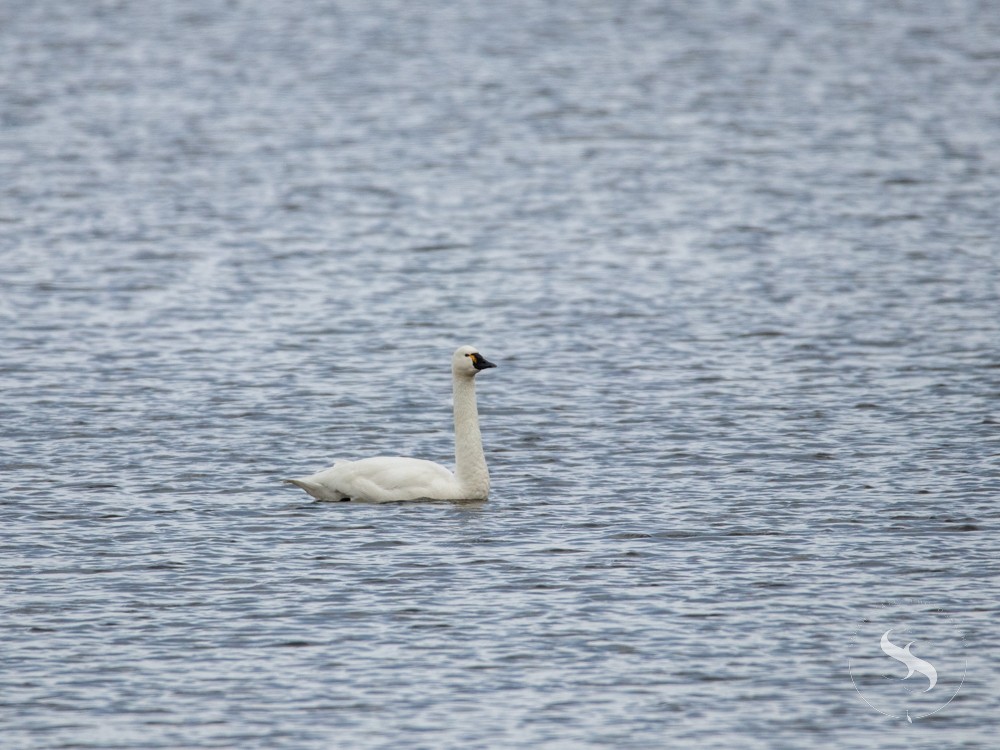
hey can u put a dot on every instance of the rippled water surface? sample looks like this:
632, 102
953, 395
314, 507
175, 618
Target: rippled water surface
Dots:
737, 263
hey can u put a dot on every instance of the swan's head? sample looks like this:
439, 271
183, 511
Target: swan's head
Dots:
468, 361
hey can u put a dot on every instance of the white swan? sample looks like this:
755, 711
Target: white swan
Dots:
387, 479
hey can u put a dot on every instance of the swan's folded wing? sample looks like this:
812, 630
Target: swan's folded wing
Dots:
391, 479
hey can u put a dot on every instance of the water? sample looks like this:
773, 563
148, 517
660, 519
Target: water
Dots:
736, 262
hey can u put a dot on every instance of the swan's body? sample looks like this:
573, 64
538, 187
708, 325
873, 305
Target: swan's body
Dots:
387, 479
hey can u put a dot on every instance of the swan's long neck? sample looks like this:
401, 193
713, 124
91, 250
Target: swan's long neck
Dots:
470, 462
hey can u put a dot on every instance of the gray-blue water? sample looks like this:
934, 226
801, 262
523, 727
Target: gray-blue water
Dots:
737, 263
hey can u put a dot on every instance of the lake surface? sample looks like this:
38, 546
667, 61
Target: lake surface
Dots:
738, 265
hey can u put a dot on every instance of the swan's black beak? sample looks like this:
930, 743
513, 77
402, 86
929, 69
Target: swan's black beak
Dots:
480, 362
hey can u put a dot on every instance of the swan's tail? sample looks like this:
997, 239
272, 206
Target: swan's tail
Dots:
316, 489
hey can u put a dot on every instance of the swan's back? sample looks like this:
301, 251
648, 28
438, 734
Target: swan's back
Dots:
382, 479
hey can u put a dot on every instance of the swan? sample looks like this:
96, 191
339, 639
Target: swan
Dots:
387, 479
